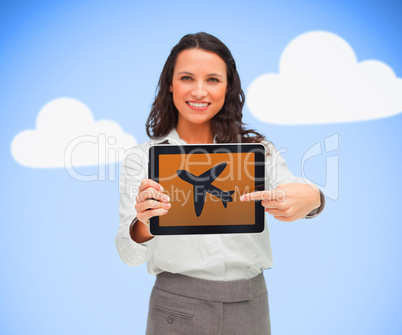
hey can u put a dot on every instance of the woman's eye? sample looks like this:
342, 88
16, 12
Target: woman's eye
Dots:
186, 78
214, 79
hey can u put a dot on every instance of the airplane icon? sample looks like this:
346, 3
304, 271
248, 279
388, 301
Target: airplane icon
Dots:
203, 185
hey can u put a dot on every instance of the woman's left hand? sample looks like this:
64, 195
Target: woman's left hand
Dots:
288, 202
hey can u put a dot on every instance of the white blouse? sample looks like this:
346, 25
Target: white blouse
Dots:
222, 257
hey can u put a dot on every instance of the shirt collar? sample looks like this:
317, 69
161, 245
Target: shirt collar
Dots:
174, 138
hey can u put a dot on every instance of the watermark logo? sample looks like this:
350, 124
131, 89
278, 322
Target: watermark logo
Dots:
331, 145
109, 155
88, 149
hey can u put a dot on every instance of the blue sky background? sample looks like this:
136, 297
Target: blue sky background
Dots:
61, 274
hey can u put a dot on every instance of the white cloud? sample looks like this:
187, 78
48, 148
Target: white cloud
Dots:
320, 81
67, 135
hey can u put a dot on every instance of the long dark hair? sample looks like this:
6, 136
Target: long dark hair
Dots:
227, 125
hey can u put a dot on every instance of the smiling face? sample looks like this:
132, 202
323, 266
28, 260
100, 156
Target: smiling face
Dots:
198, 87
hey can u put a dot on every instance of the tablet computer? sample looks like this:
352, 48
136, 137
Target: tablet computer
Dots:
204, 183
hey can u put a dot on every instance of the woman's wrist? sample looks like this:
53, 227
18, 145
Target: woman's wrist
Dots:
139, 231
319, 209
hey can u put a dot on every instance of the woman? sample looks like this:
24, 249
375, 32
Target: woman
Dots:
206, 284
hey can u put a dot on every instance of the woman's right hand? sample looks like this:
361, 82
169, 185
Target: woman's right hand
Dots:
150, 201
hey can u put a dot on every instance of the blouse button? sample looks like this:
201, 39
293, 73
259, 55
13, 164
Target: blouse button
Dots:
170, 319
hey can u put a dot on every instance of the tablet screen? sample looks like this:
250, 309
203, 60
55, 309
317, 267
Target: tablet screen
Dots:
204, 184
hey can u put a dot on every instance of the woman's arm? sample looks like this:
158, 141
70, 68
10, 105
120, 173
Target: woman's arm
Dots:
287, 197
134, 243
288, 202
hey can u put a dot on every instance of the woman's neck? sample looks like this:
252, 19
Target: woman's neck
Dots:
195, 133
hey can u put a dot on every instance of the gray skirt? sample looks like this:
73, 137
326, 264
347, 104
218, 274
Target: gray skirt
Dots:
182, 305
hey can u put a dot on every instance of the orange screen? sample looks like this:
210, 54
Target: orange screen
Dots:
238, 176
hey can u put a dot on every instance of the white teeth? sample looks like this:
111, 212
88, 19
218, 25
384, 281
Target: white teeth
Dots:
198, 105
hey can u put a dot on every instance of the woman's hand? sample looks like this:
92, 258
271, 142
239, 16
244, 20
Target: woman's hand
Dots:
288, 202
150, 201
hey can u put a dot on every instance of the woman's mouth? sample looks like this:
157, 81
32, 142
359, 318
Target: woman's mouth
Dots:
198, 105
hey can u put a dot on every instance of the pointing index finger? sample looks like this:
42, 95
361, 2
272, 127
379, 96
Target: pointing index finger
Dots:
260, 195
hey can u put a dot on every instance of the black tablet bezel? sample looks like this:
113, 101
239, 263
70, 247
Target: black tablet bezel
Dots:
259, 173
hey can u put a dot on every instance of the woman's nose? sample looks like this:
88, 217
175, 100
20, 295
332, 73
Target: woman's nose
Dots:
199, 91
